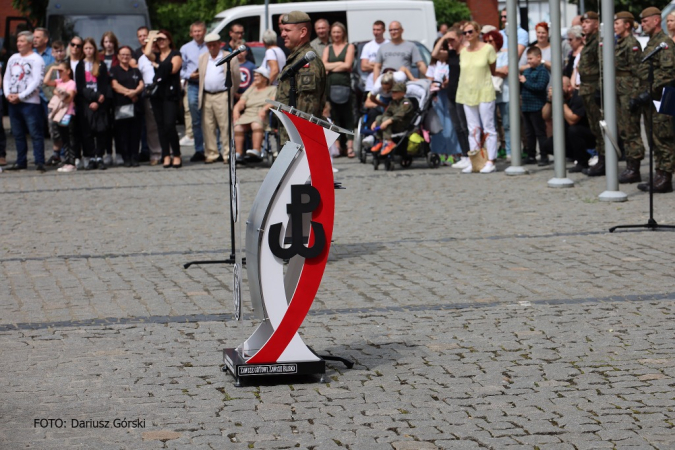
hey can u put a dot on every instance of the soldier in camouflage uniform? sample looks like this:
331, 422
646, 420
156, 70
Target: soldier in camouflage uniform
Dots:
627, 57
589, 71
395, 119
664, 75
310, 79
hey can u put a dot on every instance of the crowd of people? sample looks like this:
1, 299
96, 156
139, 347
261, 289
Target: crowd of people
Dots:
92, 97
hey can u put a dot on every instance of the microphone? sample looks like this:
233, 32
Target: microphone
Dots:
241, 48
292, 70
662, 46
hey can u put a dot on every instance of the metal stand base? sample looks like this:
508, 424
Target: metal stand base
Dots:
560, 183
229, 260
516, 170
235, 363
651, 225
613, 196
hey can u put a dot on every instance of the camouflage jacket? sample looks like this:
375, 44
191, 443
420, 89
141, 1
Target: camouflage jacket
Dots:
589, 65
400, 111
310, 81
664, 64
627, 57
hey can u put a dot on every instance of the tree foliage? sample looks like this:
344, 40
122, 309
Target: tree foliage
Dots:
451, 11
35, 10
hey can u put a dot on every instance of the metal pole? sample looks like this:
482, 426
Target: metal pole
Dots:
560, 180
267, 14
582, 7
612, 194
516, 167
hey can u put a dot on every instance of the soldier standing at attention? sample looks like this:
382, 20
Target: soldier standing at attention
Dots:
664, 75
589, 71
310, 79
627, 57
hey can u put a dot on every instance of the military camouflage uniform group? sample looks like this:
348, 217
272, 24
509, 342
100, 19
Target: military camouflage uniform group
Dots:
633, 95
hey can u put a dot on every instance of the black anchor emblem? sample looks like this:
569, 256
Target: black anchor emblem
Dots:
296, 209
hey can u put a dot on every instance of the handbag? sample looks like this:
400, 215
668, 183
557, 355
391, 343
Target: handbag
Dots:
497, 83
151, 90
478, 156
339, 94
124, 112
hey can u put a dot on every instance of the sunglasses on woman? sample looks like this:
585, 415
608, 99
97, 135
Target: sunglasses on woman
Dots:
72, 44
467, 32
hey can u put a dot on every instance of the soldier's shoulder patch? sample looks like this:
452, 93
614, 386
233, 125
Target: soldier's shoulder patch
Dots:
406, 103
636, 48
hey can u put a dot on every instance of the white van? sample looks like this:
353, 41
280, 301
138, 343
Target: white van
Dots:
417, 17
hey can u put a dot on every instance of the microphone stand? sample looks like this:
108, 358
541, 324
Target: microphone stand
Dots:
233, 162
293, 93
651, 223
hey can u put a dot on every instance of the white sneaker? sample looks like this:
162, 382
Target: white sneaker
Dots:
463, 162
107, 160
468, 169
85, 162
119, 161
185, 141
335, 170
593, 161
368, 141
67, 168
255, 154
508, 158
489, 168
78, 164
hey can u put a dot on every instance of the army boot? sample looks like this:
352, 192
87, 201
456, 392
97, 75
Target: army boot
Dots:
663, 182
598, 169
632, 172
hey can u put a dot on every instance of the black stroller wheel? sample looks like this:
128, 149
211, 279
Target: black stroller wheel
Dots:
376, 161
433, 160
406, 161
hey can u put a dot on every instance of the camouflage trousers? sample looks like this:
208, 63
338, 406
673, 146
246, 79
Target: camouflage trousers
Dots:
664, 140
392, 129
628, 126
594, 116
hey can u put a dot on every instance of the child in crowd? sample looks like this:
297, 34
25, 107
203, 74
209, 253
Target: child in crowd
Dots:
395, 119
59, 54
62, 108
534, 82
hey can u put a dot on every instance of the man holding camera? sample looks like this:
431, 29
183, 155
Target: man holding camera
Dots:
664, 75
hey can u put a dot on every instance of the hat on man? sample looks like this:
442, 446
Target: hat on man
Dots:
264, 71
651, 11
487, 28
625, 15
294, 17
398, 87
212, 37
590, 15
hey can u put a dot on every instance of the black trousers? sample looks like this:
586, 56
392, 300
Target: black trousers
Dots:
128, 138
458, 119
166, 113
93, 144
578, 139
535, 130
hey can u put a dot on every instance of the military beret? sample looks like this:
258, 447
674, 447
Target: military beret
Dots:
398, 87
651, 11
625, 15
590, 15
295, 17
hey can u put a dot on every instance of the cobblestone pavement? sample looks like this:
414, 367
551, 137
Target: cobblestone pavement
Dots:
482, 311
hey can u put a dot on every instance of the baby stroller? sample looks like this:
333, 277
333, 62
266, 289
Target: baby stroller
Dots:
410, 143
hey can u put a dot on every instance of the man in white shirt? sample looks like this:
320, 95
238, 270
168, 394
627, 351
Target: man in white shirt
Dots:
21, 85
151, 132
369, 54
190, 53
213, 97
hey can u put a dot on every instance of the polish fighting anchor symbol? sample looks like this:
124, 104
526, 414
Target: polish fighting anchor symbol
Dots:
296, 209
